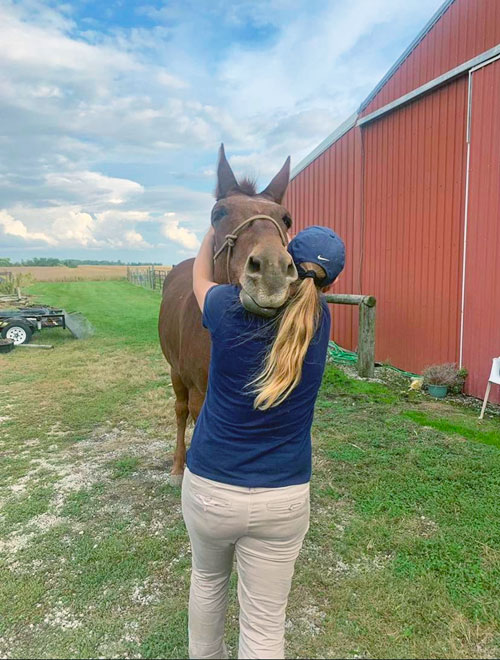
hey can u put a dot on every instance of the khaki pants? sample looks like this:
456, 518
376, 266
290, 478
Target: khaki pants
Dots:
265, 527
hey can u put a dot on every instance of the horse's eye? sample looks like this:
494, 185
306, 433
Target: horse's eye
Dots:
219, 214
288, 221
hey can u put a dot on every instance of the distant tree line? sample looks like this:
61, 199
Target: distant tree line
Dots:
72, 263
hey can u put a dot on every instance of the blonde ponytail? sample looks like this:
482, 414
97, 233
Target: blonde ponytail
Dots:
282, 368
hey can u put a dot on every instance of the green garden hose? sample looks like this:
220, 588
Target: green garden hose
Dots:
339, 354
343, 356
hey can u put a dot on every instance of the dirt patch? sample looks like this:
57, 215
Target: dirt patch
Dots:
80, 467
146, 593
62, 617
15, 542
363, 564
426, 527
55, 431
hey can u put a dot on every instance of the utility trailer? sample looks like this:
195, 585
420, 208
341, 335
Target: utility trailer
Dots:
19, 324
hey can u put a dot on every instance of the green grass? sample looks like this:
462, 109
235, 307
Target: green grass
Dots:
401, 560
125, 466
466, 426
86, 382
118, 310
24, 508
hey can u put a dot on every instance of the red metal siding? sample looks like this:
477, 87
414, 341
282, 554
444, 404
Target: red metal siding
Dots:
327, 193
482, 280
395, 191
413, 219
466, 29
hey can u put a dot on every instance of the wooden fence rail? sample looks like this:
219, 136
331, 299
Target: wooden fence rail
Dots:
148, 277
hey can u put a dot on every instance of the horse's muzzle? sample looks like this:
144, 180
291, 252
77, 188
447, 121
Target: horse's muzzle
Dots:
251, 306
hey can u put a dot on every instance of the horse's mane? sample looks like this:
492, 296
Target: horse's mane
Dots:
246, 186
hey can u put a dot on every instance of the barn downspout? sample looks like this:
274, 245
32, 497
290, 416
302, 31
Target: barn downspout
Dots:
480, 65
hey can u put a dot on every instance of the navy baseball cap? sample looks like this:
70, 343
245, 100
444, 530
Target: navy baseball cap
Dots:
318, 245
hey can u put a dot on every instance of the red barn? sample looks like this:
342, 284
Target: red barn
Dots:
412, 183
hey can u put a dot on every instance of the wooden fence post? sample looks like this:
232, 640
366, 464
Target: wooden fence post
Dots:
366, 338
366, 329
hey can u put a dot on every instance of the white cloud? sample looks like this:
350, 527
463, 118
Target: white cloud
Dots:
171, 81
37, 47
16, 228
172, 230
117, 216
92, 186
314, 75
105, 127
71, 226
135, 239
46, 91
74, 227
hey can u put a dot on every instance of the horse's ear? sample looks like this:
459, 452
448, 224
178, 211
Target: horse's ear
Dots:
277, 188
226, 181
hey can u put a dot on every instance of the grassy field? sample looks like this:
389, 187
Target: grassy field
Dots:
402, 558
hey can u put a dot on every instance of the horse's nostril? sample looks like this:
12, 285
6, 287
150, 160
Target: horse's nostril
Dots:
253, 265
290, 270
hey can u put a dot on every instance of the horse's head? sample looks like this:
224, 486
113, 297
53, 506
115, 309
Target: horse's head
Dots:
257, 258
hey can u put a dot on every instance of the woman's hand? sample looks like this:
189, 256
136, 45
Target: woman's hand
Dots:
203, 268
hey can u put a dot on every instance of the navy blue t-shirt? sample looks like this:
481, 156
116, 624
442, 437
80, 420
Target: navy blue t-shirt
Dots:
232, 442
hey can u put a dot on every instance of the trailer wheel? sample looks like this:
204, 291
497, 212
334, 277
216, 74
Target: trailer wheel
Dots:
18, 331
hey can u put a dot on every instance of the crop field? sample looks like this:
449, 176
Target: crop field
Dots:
80, 273
65, 274
402, 558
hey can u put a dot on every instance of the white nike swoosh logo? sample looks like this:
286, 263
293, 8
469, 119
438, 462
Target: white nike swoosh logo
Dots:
322, 258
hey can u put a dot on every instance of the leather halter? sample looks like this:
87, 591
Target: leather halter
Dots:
230, 239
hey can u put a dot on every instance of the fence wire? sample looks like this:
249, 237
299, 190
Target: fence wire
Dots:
148, 277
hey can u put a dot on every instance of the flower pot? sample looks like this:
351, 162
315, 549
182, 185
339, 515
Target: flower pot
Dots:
438, 391
6, 345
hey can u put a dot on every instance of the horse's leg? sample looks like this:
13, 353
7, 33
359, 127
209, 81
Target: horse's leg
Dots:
195, 403
181, 414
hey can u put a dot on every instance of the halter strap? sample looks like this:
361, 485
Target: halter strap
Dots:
230, 239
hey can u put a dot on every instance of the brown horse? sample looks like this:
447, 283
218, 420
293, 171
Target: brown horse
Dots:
253, 256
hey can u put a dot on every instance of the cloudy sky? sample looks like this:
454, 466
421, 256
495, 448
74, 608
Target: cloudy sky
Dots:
111, 111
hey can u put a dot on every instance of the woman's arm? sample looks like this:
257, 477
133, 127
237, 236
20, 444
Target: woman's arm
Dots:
203, 268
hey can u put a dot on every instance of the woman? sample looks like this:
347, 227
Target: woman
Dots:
246, 485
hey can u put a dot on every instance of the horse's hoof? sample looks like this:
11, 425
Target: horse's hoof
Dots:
176, 480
